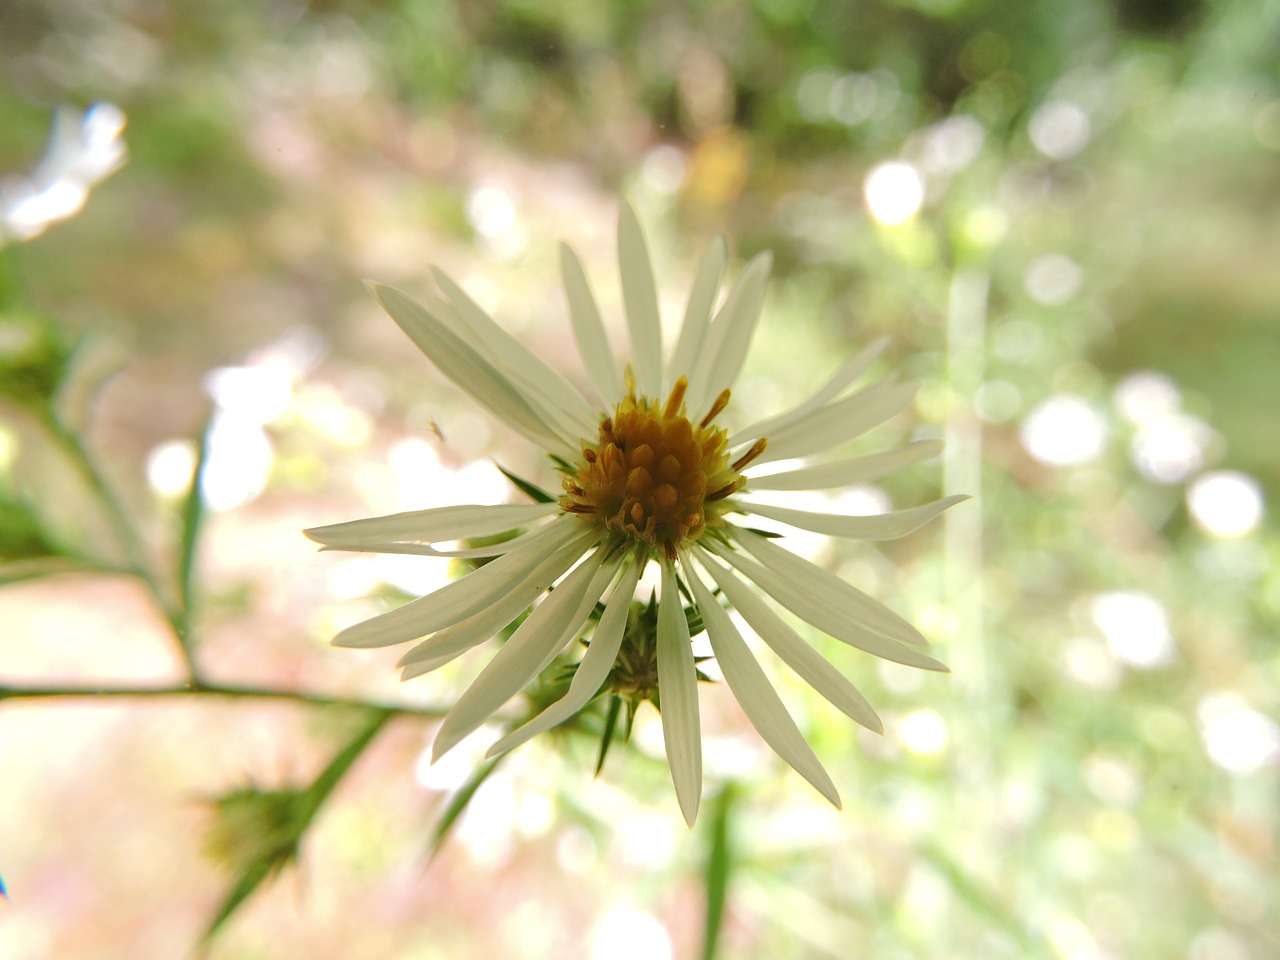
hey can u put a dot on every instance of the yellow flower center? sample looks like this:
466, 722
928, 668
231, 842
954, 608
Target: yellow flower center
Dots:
653, 476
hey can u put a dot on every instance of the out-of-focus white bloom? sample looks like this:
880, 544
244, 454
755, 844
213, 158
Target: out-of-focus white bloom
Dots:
246, 399
649, 478
84, 148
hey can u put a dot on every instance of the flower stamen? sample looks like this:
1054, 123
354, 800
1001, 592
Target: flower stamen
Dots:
652, 477
757, 448
722, 401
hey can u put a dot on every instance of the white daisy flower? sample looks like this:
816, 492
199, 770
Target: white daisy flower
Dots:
649, 477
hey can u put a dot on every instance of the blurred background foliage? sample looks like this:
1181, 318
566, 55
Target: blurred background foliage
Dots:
1074, 247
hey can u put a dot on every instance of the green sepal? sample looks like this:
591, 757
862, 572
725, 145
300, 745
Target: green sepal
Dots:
529, 489
610, 725
563, 465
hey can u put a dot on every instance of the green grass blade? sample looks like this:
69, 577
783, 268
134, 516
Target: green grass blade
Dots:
719, 868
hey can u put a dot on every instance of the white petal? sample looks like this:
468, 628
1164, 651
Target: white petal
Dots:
808, 664
848, 601
462, 364
465, 597
549, 627
879, 526
431, 526
593, 342
839, 422
539, 380
725, 347
697, 314
849, 371
754, 693
422, 667
640, 298
597, 588
845, 473
484, 624
562, 425
425, 550
678, 691
596, 663
814, 608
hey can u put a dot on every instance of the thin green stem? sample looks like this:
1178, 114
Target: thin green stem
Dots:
137, 557
8, 692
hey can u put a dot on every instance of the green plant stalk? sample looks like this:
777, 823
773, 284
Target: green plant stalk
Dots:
139, 562
194, 688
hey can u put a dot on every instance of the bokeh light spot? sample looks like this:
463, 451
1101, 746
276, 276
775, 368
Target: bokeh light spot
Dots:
894, 193
1136, 627
169, 467
1053, 279
1059, 129
1145, 396
1226, 503
1237, 737
1063, 431
625, 933
923, 732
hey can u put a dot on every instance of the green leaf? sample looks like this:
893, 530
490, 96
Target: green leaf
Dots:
719, 868
248, 882
35, 568
531, 490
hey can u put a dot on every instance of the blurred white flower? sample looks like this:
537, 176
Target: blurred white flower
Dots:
84, 148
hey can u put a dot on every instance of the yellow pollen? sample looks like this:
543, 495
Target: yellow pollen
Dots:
654, 478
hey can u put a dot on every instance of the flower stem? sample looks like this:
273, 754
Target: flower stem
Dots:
9, 692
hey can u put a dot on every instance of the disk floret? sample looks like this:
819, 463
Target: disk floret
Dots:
653, 476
